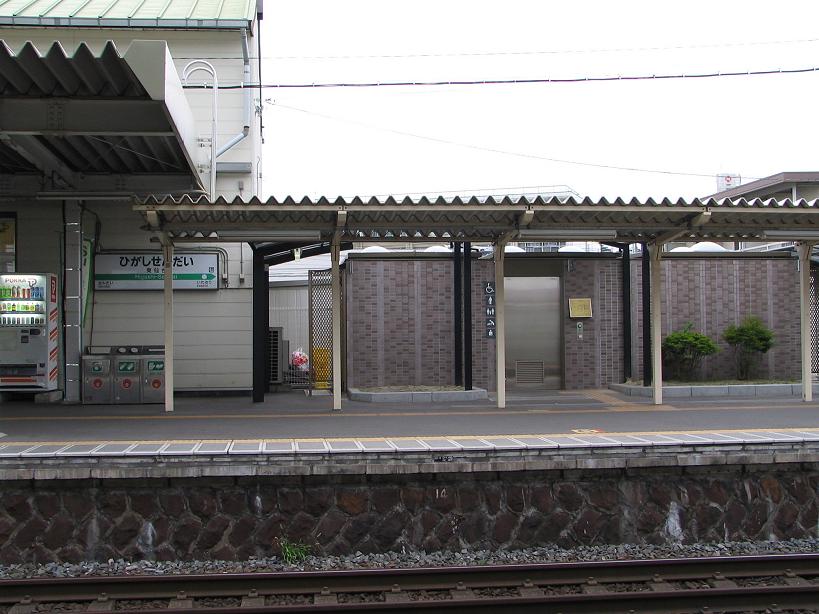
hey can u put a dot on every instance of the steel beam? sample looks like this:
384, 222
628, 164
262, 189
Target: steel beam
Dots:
457, 310
76, 117
467, 316
261, 297
43, 158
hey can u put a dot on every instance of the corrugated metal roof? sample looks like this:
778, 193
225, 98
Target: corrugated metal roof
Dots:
72, 110
129, 13
782, 180
483, 218
55, 73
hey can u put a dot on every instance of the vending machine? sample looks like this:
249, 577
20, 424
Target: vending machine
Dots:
29, 332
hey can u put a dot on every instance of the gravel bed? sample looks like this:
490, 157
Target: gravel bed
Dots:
546, 554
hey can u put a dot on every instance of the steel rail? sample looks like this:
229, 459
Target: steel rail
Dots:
640, 586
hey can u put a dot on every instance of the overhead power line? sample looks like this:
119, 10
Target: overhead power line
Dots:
547, 80
496, 150
483, 54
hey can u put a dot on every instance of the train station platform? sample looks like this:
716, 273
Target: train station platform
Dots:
224, 478
292, 423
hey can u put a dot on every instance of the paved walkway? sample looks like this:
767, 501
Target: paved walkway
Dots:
293, 417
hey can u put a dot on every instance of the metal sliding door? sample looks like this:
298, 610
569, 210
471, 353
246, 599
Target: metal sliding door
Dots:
533, 338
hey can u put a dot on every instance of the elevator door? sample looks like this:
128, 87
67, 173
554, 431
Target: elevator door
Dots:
533, 339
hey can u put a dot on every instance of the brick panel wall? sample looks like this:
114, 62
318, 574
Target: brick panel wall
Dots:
597, 359
715, 293
400, 328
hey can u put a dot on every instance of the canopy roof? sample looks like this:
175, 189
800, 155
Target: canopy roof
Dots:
129, 13
481, 219
83, 122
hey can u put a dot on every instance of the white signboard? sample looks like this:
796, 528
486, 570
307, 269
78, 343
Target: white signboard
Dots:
146, 271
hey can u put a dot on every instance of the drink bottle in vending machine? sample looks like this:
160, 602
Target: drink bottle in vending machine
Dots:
29, 332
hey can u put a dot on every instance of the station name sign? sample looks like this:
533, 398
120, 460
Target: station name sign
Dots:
130, 271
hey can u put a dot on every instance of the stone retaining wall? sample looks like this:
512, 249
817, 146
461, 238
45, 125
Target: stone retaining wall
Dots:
238, 517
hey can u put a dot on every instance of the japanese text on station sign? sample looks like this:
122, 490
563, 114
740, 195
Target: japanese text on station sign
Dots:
147, 271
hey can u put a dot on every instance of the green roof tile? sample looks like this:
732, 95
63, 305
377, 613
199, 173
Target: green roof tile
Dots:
200, 13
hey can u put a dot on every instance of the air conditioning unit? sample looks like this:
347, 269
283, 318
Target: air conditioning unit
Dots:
277, 351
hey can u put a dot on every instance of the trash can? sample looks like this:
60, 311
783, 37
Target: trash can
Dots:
127, 369
96, 379
153, 374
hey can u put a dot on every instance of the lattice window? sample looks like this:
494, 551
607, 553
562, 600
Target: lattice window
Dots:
320, 301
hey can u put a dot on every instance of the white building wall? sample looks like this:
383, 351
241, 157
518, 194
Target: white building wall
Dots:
289, 309
212, 328
222, 48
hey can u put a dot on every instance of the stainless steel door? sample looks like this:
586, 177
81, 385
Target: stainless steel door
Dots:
533, 339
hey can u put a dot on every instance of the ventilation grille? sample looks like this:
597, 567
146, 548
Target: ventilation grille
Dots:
275, 354
529, 371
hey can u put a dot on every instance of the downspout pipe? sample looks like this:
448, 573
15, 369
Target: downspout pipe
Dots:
248, 104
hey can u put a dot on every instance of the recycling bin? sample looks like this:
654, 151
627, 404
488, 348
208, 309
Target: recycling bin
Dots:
127, 369
153, 379
96, 379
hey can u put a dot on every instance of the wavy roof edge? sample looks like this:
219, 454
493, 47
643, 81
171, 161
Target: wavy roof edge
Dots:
481, 201
188, 14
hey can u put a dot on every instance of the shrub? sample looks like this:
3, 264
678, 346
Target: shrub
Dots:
750, 340
684, 349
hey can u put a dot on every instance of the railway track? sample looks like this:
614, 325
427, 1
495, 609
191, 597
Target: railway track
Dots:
780, 583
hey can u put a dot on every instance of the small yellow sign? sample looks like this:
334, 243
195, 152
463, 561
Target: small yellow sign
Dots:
580, 308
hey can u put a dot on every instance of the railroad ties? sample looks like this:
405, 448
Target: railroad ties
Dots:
778, 583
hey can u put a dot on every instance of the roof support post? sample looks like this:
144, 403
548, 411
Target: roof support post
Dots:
805, 248
457, 311
655, 251
467, 289
260, 299
167, 253
336, 290
500, 322
645, 305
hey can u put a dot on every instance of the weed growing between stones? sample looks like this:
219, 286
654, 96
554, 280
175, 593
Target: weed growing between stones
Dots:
293, 553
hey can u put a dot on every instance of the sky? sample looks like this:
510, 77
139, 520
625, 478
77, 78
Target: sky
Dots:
542, 137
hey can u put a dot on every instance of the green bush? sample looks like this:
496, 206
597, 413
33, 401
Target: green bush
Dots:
750, 340
683, 350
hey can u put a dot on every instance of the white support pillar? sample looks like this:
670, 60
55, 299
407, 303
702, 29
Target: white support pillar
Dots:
336, 290
804, 250
500, 324
655, 251
167, 252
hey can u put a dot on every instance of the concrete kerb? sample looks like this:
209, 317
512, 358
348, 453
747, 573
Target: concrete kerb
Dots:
363, 464
730, 390
409, 396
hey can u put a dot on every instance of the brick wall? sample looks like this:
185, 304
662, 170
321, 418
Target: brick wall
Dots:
597, 359
400, 327
715, 293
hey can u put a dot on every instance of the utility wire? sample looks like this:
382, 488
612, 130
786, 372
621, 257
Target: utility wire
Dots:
605, 79
495, 150
467, 54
